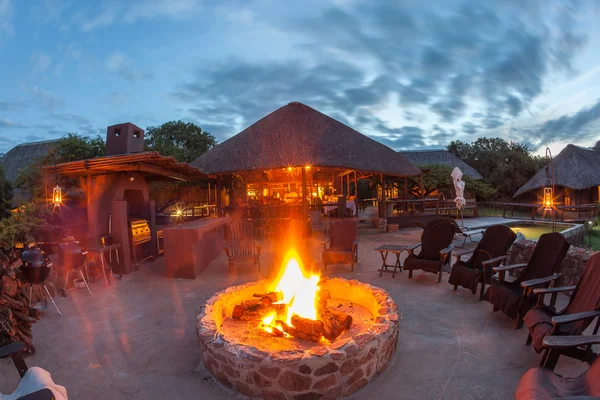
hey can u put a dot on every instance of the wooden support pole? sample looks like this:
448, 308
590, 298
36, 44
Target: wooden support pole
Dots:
421, 191
218, 195
208, 194
383, 205
304, 209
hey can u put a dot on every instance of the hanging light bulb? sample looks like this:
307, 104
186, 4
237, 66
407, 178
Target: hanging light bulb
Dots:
57, 195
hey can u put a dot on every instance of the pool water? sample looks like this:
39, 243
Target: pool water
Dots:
534, 231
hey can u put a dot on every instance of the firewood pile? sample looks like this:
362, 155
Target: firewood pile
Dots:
329, 325
16, 316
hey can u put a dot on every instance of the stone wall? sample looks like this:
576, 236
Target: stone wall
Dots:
321, 372
571, 268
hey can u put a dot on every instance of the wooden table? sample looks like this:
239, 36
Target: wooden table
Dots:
384, 250
101, 251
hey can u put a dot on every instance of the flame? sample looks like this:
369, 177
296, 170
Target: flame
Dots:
299, 293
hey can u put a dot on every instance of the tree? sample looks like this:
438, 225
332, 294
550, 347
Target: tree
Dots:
183, 140
72, 147
506, 166
5, 195
439, 180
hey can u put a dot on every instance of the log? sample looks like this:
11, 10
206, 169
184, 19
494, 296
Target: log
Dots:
308, 326
12, 303
343, 319
19, 315
258, 311
334, 323
290, 330
269, 298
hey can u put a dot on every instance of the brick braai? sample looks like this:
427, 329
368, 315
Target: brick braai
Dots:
321, 372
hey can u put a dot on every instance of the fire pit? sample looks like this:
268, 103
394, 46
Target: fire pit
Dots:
298, 337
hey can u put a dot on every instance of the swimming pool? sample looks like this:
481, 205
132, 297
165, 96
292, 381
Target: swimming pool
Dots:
533, 230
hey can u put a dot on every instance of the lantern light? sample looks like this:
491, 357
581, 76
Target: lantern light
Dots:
57, 195
548, 198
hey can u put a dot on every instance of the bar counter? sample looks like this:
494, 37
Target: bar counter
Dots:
190, 247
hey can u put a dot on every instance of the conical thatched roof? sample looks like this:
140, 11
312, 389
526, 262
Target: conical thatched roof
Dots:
576, 168
297, 135
440, 157
24, 154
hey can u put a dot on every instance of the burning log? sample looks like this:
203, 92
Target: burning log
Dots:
309, 326
300, 334
252, 311
269, 298
334, 323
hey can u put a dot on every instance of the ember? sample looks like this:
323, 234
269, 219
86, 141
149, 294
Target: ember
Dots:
296, 307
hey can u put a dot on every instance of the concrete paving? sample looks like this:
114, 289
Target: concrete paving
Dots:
136, 339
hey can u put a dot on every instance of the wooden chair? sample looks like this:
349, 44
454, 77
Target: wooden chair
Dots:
489, 253
30, 387
341, 206
343, 244
542, 384
584, 306
516, 298
436, 249
241, 246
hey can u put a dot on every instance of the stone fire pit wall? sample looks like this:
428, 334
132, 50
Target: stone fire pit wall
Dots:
326, 372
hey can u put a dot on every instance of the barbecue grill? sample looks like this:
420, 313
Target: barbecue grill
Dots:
36, 269
73, 259
141, 236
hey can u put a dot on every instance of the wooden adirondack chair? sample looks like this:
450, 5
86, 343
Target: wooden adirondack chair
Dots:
584, 306
542, 384
35, 382
489, 253
241, 246
516, 298
343, 244
436, 249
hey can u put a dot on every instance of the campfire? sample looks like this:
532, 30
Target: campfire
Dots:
295, 307
299, 335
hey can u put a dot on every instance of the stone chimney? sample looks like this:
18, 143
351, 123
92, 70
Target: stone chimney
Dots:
124, 139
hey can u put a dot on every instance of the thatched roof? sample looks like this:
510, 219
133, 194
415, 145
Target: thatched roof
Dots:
440, 157
576, 168
297, 135
24, 154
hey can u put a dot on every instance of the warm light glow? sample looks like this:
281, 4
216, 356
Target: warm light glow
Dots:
289, 169
307, 167
314, 194
57, 195
178, 213
548, 201
299, 293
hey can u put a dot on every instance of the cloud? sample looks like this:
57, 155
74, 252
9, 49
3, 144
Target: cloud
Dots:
6, 15
40, 62
106, 17
123, 66
44, 99
7, 123
580, 126
138, 10
454, 70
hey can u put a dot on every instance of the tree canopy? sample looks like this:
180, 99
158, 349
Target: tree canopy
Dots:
505, 165
183, 140
439, 180
71, 147
5, 195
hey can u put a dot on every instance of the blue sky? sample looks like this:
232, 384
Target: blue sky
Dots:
414, 75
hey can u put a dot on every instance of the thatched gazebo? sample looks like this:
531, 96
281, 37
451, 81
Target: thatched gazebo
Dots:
299, 142
440, 157
577, 177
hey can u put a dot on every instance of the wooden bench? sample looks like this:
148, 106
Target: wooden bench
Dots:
447, 207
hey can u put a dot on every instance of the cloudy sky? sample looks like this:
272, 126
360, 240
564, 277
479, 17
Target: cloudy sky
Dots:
413, 76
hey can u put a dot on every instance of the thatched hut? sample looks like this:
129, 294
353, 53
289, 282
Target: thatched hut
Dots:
296, 148
577, 178
440, 157
23, 155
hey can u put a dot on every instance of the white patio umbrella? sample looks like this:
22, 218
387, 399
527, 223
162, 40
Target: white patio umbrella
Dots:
459, 187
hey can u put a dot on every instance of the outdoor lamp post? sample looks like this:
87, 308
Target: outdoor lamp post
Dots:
548, 198
549, 190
